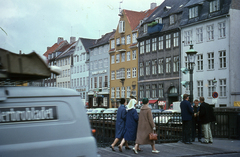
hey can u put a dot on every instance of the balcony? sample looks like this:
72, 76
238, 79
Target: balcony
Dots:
121, 48
154, 28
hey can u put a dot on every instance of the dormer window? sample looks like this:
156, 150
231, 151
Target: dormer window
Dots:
193, 12
214, 5
118, 41
121, 26
173, 19
166, 8
141, 22
158, 20
145, 28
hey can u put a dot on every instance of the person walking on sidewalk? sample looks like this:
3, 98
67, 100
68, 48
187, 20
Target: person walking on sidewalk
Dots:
131, 124
145, 126
120, 123
206, 116
186, 112
196, 124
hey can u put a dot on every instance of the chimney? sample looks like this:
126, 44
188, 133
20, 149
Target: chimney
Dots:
72, 40
60, 39
153, 5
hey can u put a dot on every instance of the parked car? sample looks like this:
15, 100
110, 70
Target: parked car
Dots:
169, 119
96, 112
156, 111
110, 113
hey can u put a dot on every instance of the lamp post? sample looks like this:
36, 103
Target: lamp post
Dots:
191, 55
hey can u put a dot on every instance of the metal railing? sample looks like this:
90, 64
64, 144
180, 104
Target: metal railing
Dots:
168, 126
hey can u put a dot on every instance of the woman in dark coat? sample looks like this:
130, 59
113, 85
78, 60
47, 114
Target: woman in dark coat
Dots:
131, 124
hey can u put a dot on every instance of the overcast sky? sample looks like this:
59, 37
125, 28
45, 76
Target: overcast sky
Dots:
33, 25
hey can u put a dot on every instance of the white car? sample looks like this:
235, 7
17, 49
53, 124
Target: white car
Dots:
110, 113
168, 119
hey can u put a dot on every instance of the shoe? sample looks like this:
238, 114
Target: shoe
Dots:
134, 150
199, 140
120, 148
139, 150
188, 142
204, 142
112, 148
211, 142
155, 151
127, 148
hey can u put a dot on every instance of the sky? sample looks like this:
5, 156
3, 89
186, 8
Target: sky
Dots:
34, 25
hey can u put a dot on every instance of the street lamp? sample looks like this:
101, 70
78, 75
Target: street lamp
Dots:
191, 55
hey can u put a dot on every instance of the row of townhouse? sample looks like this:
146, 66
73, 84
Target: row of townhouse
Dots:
145, 53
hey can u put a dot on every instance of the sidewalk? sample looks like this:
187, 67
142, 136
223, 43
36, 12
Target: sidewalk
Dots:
220, 147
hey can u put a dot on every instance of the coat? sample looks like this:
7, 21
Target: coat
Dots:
186, 110
120, 122
145, 126
206, 114
131, 125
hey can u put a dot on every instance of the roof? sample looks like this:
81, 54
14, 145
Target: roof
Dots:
53, 48
162, 11
104, 40
134, 17
204, 11
68, 50
87, 43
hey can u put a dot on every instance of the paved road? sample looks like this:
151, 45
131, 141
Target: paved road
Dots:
219, 148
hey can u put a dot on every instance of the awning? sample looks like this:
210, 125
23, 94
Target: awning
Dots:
152, 101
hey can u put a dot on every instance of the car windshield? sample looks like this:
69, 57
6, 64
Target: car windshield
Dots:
90, 110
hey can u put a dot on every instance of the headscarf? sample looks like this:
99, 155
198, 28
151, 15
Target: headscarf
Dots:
131, 104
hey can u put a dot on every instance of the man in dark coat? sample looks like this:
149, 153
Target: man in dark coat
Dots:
120, 123
196, 124
186, 112
206, 116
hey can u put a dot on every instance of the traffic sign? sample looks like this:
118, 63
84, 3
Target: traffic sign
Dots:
215, 95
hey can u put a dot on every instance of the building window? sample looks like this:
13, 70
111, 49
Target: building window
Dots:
154, 91
112, 44
160, 66
100, 63
81, 82
160, 43
106, 81
222, 59
123, 57
105, 100
112, 59
141, 92
77, 82
148, 91
134, 55
147, 45
172, 19
100, 82
121, 26
112, 92
168, 65
160, 88
188, 66
187, 37
199, 32
120, 73
200, 88
128, 91
128, 56
95, 82
210, 32
222, 30
113, 75
141, 70
200, 62
142, 47
118, 41
95, 65
134, 72
123, 92
123, 40
154, 67
91, 83
154, 44
211, 88
214, 6
84, 81
211, 61
129, 39
105, 62
168, 41
129, 73
193, 12
176, 64
175, 39
117, 58
117, 92
134, 38
145, 28
87, 79
148, 68
223, 87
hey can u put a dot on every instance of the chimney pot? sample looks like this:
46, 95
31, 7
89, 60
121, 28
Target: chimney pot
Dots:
60, 39
153, 5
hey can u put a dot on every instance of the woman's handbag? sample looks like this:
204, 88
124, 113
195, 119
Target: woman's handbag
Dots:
152, 136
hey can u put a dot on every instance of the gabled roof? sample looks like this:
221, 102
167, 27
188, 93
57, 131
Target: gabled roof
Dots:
134, 17
55, 47
66, 50
87, 43
104, 40
167, 8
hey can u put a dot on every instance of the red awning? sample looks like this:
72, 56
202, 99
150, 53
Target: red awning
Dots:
152, 101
